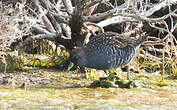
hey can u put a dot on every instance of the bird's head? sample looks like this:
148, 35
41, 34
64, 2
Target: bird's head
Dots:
77, 56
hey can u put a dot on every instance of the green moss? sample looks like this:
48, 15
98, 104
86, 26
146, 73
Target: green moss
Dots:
113, 81
102, 83
161, 84
45, 61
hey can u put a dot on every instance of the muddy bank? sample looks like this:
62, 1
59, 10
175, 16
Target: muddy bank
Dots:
47, 89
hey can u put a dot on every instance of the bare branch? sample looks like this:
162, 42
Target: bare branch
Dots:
67, 30
62, 18
40, 30
90, 6
151, 57
109, 13
55, 23
50, 36
159, 6
114, 20
68, 5
98, 16
136, 29
46, 20
150, 20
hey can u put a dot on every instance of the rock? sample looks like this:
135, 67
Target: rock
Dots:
12, 62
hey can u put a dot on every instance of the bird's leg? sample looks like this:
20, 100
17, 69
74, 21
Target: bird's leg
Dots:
90, 74
82, 70
128, 72
111, 75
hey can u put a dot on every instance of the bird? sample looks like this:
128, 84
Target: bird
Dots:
107, 51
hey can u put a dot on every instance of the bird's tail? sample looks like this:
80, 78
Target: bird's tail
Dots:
140, 40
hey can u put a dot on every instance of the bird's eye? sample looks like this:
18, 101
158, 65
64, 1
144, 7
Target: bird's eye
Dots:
76, 57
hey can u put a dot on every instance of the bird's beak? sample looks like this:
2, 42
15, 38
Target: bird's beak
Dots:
70, 66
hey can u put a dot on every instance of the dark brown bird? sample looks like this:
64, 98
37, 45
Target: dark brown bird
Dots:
107, 51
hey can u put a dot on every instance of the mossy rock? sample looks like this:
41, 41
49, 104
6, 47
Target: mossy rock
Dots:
101, 83
12, 62
113, 81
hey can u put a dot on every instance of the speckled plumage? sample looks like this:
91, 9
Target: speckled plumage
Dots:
107, 51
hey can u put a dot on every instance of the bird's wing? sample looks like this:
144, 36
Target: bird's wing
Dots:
115, 39
107, 39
